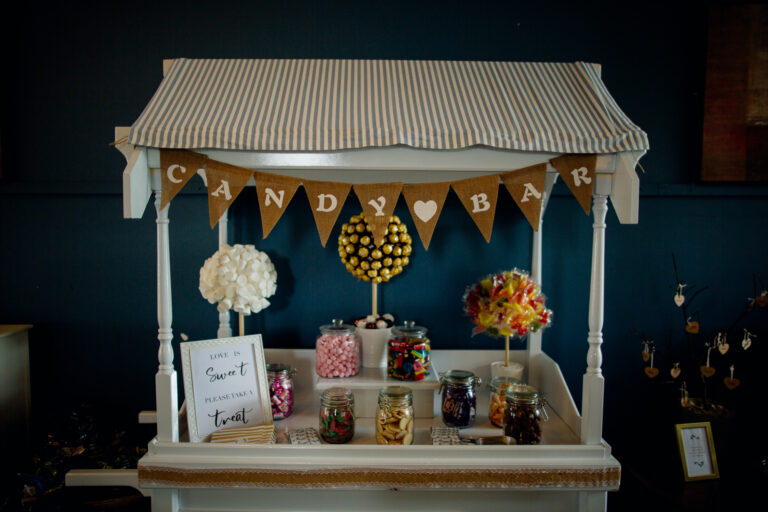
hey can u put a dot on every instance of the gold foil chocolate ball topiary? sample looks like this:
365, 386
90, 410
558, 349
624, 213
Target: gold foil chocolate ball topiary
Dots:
364, 260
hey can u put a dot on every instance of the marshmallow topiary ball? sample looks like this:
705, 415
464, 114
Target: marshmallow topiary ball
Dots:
238, 277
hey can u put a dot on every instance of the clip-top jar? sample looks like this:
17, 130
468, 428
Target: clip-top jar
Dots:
337, 352
280, 379
408, 352
523, 414
498, 387
459, 399
394, 417
337, 415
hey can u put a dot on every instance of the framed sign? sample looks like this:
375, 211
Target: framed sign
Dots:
697, 451
225, 384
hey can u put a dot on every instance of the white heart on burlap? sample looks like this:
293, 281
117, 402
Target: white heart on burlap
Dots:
425, 210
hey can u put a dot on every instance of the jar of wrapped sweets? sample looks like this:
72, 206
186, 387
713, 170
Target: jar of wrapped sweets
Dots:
523, 414
408, 352
280, 379
394, 416
337, 352
498, 391
337, 415
459, 400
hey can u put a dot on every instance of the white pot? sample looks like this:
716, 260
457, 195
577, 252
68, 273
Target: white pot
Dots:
374, 346
514, 370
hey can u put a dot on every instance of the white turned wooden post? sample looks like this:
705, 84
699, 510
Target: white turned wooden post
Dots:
592, 395
534, 338
225, 328
166, 392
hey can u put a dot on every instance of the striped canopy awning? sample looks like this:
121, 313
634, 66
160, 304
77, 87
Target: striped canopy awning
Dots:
330, 105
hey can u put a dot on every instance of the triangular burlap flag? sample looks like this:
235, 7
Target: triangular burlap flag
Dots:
378, 201
225, 182
177, 167
478, 195
526, 186
578, 172
326, 199
274, 193
425, 200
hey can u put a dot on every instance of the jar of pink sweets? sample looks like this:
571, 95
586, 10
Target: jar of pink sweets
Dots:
337, 352
280, 379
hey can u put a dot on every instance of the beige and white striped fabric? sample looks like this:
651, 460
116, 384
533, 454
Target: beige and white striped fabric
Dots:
329, 105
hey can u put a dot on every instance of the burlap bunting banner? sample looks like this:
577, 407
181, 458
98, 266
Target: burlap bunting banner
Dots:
578, 172
326, 199
526, 186
177, 167
478, 195
225, 182
425, 201
378, 201
274, 192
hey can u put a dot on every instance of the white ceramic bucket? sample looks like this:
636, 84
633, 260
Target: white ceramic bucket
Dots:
514, 370
374, 346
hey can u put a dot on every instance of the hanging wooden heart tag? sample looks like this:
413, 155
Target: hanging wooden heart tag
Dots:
746, 343
646, 356
692, 327
723, 348
707, 371
679, 299
651, 372
675, 372
731, 383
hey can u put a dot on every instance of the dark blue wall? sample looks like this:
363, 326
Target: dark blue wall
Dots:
70, 265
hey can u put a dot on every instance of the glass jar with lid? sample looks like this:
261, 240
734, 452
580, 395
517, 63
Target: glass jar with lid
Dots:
337, 415
337, 351
408, 352
280, 380
523, 414
459, 400
394, 416
497, 402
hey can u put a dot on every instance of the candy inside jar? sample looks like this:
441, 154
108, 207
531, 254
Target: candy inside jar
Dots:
497, 402
523, 415
337, 352
337, 415
280, 378
459, 400
394, 416
408, 353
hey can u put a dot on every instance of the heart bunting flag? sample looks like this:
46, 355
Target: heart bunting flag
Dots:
425, 201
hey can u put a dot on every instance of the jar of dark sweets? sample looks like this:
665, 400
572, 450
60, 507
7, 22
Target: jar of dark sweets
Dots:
523, 414
459, 399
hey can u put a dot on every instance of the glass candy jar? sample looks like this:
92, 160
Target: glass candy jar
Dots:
459, 400
280, 379
523, 414
498, 391
394, 416
337, 351
337, 415
408, 352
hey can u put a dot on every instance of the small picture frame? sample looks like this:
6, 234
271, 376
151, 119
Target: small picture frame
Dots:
225, 385
697, 451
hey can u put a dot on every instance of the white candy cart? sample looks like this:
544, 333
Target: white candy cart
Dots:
371, 122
